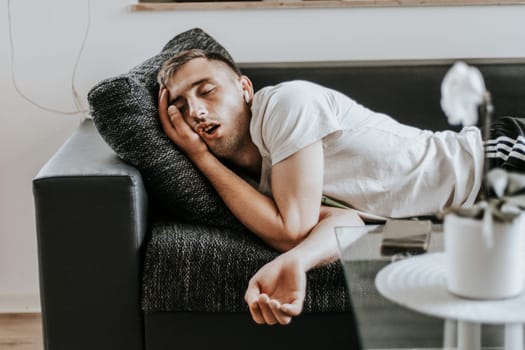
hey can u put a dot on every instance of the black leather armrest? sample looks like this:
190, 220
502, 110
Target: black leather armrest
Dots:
91, 217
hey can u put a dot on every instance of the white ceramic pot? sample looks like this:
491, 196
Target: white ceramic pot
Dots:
479, 270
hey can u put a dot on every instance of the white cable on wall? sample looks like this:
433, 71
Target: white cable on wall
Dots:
76, 97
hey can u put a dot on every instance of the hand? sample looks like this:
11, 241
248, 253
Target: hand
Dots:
276, 292
177, 129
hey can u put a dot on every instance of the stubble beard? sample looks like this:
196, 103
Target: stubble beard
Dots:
228, 147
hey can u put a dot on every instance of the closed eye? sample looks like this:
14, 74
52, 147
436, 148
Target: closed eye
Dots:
207, 89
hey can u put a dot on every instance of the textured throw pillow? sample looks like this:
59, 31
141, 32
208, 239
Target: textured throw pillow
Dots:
124, 110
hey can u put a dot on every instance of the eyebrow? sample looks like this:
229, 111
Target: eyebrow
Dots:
198, 82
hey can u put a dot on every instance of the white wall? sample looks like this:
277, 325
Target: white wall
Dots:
47, 37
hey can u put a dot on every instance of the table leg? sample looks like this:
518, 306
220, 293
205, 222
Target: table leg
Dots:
450, 334
469, 335
513, 336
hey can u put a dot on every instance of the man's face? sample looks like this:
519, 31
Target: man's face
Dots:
209, 96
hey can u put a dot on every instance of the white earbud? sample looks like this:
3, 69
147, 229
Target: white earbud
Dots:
246, 96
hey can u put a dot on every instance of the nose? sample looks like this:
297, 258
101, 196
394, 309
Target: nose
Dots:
197, 110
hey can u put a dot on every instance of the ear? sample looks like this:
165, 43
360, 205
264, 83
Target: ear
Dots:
247, 88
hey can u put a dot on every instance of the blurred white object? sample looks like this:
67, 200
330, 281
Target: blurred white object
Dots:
498, 180
462, 92
516, 183
475, 270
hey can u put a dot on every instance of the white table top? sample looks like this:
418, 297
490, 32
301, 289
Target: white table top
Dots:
419, 283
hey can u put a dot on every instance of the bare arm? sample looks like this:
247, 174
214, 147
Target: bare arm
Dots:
296, 184
283, 222
276, 292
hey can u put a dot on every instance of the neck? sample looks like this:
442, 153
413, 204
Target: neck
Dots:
249, 159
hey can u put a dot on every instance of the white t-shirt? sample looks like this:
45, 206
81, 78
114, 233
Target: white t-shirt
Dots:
371, 162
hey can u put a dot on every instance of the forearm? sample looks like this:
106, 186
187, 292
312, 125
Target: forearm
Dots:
277, 291
320, 246
258, 212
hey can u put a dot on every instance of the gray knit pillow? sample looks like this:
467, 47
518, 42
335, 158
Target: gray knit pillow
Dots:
124, 110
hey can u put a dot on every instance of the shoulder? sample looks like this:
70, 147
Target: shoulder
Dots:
290, 116
291, 92
297, 98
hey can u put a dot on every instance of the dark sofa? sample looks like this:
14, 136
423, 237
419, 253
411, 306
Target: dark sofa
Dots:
117, 274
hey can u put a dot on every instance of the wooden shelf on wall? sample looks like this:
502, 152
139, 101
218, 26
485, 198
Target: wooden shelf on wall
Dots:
272, 4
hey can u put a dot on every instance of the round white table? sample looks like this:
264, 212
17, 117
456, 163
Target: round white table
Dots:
419, 283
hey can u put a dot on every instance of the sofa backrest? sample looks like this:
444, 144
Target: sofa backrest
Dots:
409, 91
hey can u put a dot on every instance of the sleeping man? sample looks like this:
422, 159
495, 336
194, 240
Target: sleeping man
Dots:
301, 141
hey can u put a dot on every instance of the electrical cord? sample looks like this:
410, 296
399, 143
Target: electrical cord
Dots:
76, 97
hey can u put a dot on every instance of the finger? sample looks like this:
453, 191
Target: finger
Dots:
163, 113
252, 299
176, 119
256, 313
252, 293
266, 311
294, 308
174, 114
178, 122
163, 98
280, 316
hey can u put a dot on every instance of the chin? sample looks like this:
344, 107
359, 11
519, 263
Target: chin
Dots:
218, 153
221, 149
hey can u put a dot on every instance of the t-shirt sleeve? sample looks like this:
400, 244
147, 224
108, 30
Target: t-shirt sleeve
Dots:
297, 115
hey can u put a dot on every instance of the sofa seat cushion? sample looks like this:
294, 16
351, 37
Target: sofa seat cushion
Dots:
200, 268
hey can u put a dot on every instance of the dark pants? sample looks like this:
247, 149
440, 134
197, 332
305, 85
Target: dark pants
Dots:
506, 147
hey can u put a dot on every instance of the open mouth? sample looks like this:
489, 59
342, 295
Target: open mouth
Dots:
211, 129
208, 128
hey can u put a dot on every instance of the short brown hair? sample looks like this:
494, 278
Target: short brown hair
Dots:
171, 65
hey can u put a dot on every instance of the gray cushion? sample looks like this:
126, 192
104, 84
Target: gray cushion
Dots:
198, 268
124, 110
